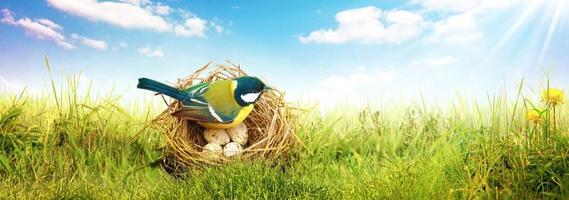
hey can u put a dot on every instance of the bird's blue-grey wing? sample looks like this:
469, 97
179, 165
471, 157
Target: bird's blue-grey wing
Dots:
196, 95
198, 109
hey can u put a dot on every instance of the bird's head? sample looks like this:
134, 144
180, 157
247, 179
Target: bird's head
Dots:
248, 90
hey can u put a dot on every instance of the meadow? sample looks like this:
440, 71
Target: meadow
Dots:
63, 144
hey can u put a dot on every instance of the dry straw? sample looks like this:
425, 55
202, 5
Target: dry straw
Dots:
271, 125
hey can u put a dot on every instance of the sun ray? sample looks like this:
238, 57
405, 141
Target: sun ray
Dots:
517, 25
551, 30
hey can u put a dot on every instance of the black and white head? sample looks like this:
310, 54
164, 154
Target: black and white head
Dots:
248, 90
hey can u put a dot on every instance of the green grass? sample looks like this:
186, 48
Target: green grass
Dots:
68, 146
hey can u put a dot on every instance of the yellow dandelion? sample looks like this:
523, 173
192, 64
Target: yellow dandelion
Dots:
534, 116
553, 97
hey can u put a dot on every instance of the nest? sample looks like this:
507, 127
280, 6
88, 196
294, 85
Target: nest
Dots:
271, 125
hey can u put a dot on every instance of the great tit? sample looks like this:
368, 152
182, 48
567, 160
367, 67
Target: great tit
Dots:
218, 105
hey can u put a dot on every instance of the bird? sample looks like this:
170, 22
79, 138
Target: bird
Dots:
221, 104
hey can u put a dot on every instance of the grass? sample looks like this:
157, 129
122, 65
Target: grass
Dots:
63, 145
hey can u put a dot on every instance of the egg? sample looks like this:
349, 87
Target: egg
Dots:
238, 134
217, 136
212, 150
232, 149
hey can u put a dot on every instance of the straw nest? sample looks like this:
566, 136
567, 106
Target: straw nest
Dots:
271, 126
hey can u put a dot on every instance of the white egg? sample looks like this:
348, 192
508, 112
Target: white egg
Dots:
238, 134
218, 136
213, 147
212, 150
232, 149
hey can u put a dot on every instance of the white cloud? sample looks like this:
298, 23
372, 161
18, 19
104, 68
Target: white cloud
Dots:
127, 15
435, 62
8, 17
136, 14
50, 24
123, 44
366, 25
157, 8
462, 27
193, 26
96, 44
218, 28
457, 29
137, 2
184, 13
161, 9
36, 29
447, 5
148, 51
464, 6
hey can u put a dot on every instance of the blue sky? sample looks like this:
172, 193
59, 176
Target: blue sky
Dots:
322, 50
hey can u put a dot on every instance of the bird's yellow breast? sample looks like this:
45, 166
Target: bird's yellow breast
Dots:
243, 113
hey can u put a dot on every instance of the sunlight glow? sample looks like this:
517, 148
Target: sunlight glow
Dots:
524, 17
560, 7
536, 9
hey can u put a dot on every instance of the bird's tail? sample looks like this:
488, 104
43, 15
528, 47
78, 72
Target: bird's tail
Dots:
152, 85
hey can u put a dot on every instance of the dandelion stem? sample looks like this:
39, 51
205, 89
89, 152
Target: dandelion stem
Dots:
538, 134
554, 120
532, 135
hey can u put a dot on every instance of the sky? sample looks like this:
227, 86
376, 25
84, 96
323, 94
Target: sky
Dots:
325, 51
